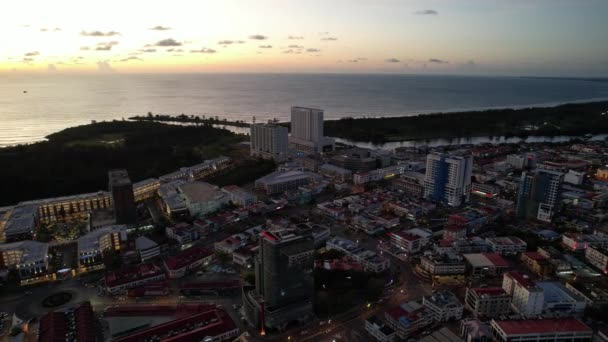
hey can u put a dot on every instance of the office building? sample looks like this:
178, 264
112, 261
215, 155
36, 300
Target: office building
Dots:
539, 194
522, 161
93, 245
440, 264
284, 283
281, 181
239, 196
307, 131
123, 199
541, 330
179, 265
184, 234
269, 141
448, 178
28, 258
488, 302
19, 223
485, 264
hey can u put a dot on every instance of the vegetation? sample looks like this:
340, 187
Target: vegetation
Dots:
76, 160
196, 119
570, 119
244, 172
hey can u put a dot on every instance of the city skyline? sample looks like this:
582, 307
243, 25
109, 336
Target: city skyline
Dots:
557, 38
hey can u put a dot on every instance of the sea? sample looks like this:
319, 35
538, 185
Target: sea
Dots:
33, 106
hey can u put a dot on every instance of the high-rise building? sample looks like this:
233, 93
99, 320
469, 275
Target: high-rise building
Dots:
307, 131
539, 194
284, 282
307, 124
448, 178
269, 141
123, 199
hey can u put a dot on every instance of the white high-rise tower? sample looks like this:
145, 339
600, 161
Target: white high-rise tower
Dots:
269, 141
448, 178
307, 130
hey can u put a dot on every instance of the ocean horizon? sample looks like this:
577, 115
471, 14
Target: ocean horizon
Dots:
33, 106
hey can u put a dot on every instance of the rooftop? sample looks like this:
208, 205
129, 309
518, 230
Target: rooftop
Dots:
141, 271
143, 243
118, 178
200, 192
187, 257
285, 176
486, 260
31, 251
540, 326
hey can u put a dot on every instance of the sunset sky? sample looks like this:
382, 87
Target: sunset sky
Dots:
506, 37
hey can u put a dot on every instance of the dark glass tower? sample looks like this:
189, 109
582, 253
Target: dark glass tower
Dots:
122, 196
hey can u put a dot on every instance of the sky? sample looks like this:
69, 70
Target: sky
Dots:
477, 37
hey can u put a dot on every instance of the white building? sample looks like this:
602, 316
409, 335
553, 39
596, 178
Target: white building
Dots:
184, 234
28, 258
146, 248
521, 161
239, 196
444, 306
281, 181
574, 177
448, 178
380, 331
598, 257
541, 330
269, 141
443, 264
528, 297
507, 245
307, 131
488, 301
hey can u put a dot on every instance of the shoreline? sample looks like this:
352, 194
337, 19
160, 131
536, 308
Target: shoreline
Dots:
421, 115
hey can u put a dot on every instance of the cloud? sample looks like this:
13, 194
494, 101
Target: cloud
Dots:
44, 29
56, 29
325, 33
168, 42
295, 37
295, 46
470, 64
426, 12
99, 33
289, 51
159, 28
230, 42
104, 66
357, 60
437, 61
175, 50
258, 37
329, 39
203, 50
106, 46
148, 50
85, 48
313, 50
31, 54
265, 46
51, 68
392, 60
131, 58
28, 60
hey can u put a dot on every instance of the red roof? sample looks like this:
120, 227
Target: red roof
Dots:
535, 256
540, 326
496, 259
521, 279
187, 257
213, 285
491, 291
205, 324
142, 271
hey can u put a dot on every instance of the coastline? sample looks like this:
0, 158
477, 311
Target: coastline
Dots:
341, 126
